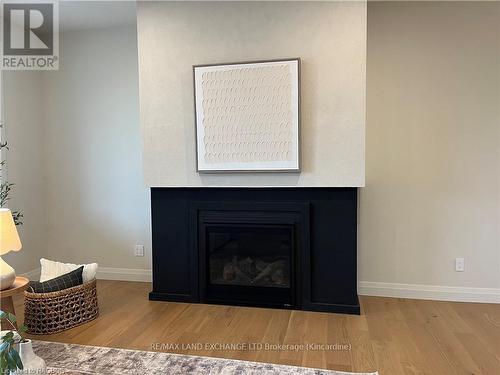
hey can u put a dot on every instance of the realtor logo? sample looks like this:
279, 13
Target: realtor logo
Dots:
30, 35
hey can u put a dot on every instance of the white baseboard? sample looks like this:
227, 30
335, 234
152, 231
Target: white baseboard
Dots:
432, 292
107, 273
365, 288
124, 274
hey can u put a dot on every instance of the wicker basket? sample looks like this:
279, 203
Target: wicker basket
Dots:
47, 313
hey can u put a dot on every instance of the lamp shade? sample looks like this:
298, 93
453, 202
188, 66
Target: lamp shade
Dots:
9, 239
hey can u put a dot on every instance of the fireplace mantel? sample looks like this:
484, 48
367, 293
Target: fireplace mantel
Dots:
324, 221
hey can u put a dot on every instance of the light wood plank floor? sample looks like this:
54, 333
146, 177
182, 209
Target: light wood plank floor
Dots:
393, 336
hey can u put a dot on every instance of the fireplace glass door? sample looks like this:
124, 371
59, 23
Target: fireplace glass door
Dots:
250, 262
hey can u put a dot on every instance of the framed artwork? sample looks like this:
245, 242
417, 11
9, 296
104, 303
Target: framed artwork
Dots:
248, 116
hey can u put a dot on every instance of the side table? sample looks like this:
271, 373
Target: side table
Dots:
19, 286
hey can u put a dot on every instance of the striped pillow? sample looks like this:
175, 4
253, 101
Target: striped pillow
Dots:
62, 282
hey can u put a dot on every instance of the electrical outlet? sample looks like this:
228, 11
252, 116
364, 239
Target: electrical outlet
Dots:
459, 264
139, 250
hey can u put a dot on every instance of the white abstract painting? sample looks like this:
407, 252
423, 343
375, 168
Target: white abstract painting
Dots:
247, 116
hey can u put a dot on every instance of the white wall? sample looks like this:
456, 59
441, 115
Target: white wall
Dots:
24, 130
75, 148
330, 39
433, 150
98, 207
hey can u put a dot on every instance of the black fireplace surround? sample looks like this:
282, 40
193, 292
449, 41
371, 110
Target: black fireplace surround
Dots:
272, 247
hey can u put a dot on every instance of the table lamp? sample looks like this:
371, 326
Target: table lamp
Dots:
9, 241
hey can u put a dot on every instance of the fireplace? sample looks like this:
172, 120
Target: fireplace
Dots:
283, 248
248, 254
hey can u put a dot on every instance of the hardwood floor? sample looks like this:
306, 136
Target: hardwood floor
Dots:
393, 336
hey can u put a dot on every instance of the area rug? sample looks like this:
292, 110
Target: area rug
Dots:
70, 359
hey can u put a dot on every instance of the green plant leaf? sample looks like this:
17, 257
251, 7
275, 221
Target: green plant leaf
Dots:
11, 362
17, 359
8, 340
3, 314
3, 346
12, 317
3, 364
